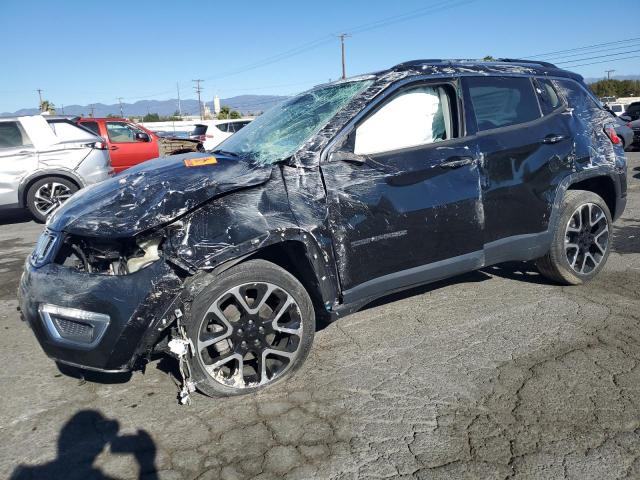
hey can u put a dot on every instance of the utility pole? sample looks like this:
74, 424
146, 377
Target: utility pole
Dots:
179, 107
342, 36
609, 72
120, 102
198, 90
62, 108
91, 107
40, 97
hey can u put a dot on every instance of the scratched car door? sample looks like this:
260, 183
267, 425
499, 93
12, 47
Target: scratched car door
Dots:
403, 193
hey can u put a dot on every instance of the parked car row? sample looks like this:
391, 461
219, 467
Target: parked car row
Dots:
131, 144
46, 159
212, 135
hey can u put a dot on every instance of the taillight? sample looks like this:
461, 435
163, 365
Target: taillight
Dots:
613, 136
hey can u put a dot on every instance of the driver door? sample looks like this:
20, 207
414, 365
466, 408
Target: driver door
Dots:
403, 192
126, 150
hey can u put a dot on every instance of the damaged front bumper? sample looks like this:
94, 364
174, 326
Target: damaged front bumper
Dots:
95, 321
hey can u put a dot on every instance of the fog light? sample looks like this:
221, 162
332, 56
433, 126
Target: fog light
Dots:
73, 327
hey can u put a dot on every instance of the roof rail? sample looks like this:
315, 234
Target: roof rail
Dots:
412, 63
522, 60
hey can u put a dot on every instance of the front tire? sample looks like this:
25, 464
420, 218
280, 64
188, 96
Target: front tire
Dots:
47, 194
581, 239
253, 326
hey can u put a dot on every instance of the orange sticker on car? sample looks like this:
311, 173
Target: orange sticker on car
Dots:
199, 162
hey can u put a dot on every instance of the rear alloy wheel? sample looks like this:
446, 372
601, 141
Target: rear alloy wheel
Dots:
46, 195
587, 238
581, 239
251, 328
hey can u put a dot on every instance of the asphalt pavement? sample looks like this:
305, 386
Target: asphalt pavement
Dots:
494, 374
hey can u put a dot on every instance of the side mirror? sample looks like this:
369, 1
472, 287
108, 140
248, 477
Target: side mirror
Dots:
143, 137
344, 156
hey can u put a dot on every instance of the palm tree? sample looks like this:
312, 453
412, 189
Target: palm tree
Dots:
47, 106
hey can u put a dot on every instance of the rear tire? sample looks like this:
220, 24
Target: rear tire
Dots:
581, 239
253, 326
47, 194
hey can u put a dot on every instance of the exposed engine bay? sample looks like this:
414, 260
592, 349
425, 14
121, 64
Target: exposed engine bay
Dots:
108, 257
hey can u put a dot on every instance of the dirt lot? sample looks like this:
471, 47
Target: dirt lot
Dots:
494, 374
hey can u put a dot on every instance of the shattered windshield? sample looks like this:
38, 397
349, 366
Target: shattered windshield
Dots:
280, 131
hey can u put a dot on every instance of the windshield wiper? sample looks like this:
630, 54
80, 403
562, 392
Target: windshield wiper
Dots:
225, 152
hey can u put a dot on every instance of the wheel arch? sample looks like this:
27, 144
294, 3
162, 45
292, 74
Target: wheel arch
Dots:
26, 183
602, 185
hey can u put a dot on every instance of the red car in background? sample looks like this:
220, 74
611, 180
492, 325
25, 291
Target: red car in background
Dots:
131, 144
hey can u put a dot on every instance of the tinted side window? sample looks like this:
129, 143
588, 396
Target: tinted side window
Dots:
634, 108
416, 116
121, 132
199, 130
502, 101
12, 135
549, 99
223, 127
93, 126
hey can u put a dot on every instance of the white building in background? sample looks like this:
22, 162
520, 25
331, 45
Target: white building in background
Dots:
216, 105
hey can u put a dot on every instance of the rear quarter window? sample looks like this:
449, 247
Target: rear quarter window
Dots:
577, 97
502, 101
93, 126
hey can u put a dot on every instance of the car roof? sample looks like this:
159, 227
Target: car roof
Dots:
110, 119
500, 66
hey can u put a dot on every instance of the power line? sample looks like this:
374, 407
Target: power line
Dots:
582, 48
598, 56
429, 9
603, 61
608, 49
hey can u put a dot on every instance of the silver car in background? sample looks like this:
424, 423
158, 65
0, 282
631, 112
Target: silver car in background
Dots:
45, 160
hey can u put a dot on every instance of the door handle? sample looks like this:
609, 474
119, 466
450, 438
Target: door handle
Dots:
113, 148
457, 162
553, 138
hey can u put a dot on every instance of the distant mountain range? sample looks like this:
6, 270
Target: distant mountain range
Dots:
243, 103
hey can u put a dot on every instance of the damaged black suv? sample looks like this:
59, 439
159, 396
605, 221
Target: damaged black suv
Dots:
338, 196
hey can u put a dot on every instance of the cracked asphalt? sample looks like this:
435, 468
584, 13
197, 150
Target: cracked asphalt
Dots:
494, 374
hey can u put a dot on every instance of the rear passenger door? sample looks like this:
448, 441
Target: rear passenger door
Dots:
525, 155
18, 158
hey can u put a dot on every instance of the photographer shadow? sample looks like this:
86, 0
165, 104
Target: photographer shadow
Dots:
81, 440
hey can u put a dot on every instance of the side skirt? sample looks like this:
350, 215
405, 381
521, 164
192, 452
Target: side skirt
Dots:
517, 248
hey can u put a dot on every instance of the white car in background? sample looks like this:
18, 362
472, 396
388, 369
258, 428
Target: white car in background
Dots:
617, 108
212, 133
45, 160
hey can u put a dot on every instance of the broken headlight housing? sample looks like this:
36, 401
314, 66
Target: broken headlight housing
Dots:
110, 257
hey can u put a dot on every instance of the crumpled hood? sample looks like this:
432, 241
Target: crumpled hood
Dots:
153, 193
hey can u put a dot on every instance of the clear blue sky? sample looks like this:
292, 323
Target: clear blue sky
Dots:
82, 52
